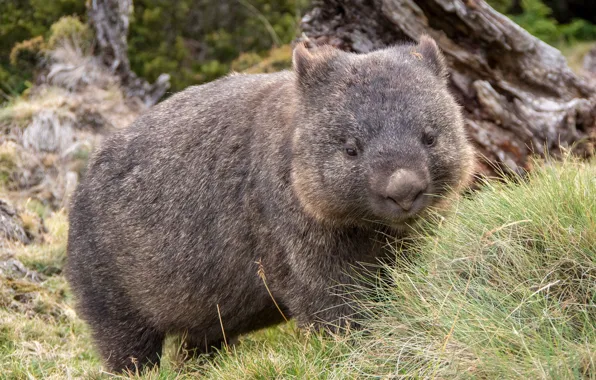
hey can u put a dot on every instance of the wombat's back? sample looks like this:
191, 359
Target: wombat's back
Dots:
166, 205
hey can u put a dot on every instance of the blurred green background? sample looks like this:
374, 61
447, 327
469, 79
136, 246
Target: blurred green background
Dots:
196, 41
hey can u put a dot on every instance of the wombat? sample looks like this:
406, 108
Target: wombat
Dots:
237, 201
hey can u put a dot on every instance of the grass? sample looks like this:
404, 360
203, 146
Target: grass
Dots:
22, 109
40, 334
574, 53
504, 287
7, 162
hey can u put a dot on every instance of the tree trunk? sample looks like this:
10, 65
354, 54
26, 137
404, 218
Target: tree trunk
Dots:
110, 19
518, 94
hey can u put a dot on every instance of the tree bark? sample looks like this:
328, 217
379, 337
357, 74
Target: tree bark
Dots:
110, 19
519, 96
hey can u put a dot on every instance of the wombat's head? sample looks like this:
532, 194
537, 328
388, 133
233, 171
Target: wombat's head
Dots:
378, 137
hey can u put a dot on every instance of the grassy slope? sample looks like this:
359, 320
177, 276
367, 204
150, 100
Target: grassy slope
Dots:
503, 288
40, 335
506, 288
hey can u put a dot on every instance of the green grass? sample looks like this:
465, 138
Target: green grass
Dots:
503, 287
40, 334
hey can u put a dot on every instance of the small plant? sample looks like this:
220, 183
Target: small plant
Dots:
26, 54
246, 61
70, 30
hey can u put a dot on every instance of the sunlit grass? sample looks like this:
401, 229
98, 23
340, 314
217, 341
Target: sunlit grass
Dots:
504, 287
40, 334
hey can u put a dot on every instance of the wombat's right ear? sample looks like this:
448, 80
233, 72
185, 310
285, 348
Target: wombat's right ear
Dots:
311, 65
430, 53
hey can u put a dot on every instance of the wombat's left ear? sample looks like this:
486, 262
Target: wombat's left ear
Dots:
427, 47
312, 64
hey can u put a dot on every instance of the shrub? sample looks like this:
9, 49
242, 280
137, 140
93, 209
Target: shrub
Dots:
537, 19
26, 54
22, 20
201, 39
70, 29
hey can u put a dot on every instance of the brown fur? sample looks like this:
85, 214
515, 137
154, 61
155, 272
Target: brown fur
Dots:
298, 170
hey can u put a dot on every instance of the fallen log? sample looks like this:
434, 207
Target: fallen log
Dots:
518, 94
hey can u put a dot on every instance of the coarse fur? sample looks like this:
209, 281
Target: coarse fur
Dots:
298, 171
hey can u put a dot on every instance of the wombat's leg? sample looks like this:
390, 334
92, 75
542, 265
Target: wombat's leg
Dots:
335, 316
128, 345
324, 303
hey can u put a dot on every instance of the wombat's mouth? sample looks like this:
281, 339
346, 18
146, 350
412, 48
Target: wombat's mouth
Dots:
401, 196
395, 213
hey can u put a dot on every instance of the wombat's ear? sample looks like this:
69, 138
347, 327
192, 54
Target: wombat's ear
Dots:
431, 55
311, 64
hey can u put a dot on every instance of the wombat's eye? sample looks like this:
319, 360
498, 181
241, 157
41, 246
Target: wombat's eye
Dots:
351, 151
429, 140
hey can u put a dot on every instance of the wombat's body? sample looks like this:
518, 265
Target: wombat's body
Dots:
290, 170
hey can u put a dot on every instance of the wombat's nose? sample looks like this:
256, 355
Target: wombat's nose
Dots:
405, 187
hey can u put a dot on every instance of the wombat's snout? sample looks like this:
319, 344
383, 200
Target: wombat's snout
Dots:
406, 189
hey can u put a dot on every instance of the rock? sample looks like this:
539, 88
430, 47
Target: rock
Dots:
14, 269
49, 132
11, 226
